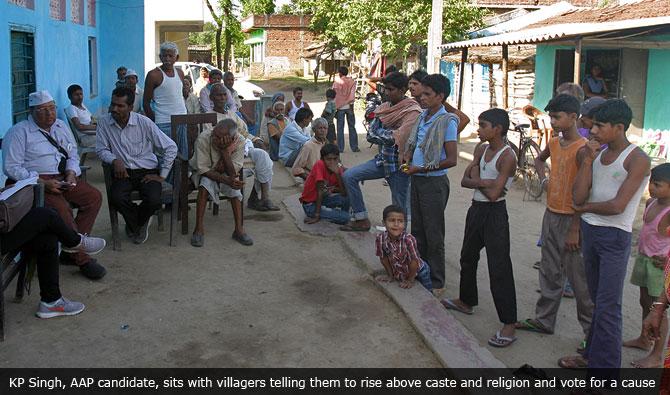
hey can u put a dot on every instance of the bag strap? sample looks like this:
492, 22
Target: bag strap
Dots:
55, 144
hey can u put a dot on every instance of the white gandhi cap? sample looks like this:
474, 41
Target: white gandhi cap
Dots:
39, 97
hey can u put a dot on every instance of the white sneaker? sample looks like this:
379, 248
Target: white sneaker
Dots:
87, 244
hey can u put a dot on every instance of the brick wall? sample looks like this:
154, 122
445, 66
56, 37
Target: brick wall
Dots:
289, 43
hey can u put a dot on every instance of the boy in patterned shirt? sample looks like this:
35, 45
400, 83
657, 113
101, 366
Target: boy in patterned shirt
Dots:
398, 254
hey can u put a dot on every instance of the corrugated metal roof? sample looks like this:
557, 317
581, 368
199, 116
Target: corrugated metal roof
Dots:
557, 32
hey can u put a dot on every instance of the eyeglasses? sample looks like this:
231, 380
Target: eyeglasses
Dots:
45, 110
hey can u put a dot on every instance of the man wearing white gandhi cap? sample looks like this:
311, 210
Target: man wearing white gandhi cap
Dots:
43, 146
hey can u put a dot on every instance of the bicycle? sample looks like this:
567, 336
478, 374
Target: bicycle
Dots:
526, 155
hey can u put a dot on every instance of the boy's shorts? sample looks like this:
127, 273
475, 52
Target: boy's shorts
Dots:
646, 274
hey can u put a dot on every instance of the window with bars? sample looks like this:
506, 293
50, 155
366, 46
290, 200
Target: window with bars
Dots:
91, 13
77, 11
23, 73
57, 9
23, 3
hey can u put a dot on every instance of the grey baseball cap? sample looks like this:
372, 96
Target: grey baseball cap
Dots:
590, 105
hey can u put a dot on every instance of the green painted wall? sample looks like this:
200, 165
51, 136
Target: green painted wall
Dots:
656, 115
545, 59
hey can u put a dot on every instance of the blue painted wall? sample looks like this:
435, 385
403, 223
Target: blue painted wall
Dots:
545, 63
121, 42
657, 100
61, 49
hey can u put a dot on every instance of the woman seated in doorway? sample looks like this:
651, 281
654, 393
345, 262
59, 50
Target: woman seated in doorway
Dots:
594, 84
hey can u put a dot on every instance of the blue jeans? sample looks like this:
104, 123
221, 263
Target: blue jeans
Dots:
423, 276
606, 251
351, 123
334, 208
398, 182
253, 129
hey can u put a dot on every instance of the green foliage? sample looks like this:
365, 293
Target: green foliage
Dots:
398, 24
289, 9
257, 7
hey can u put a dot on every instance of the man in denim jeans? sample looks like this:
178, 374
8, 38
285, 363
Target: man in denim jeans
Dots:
345, 88
397, 115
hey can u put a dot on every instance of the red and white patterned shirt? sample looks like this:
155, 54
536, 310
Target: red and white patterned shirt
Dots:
400, 252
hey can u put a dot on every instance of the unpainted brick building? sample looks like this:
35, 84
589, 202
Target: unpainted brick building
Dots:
277, 43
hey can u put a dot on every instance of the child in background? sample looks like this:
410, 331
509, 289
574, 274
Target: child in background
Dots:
487, 225
329, 114
653, 248
398, 253
587, 110
324, 195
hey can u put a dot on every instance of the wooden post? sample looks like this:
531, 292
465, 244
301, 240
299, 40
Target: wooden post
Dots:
578, 59
505, 57
461, 77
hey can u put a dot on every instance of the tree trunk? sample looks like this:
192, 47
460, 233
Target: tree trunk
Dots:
226, 54
218, 47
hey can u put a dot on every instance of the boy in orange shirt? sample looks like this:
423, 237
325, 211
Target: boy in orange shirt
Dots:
560, 226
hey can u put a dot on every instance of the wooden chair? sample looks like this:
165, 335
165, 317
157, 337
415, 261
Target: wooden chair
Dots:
193, 122
169, 193
81, 149
13, 267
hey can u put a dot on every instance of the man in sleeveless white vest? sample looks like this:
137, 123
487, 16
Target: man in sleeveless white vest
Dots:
607, 192
163, 94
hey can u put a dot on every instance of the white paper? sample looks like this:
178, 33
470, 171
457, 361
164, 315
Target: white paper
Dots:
9, 191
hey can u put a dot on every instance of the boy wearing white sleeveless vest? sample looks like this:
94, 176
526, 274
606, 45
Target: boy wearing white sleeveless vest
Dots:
487, 225
607, 192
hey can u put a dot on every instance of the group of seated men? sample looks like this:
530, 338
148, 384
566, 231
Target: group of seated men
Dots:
141, 157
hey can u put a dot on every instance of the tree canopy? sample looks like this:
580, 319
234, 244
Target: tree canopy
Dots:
398, 24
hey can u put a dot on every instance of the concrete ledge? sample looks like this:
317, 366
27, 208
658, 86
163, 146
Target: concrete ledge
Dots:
450, 341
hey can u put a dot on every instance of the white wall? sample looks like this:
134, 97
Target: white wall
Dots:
165, 11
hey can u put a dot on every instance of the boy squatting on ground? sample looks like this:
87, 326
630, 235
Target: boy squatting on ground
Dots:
653, 249
324, 194
487, 225
561, 254
607, 192
398, 253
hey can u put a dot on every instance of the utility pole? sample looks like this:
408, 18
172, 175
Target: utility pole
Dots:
435, 38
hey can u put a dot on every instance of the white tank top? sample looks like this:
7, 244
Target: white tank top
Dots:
168, 98
489, 171
607, 180
294, 109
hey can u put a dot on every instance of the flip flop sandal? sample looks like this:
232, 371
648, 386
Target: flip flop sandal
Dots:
501, 341
532, 325
573, 362
582, 347
450, 305
350, 228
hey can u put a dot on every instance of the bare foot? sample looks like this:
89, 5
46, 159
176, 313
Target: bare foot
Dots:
650, 361
641, 343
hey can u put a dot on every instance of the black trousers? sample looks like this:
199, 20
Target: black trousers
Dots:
429, 196
487, 226
37, 235
150, 192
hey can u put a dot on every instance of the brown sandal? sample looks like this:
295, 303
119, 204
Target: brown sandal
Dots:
573, 362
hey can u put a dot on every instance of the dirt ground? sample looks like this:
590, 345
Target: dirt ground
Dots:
291, 300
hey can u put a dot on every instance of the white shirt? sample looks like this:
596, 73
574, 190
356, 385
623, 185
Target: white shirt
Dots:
135, 144
82, 114
27, 153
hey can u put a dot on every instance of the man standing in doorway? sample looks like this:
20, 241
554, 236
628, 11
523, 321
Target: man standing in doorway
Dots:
345, 88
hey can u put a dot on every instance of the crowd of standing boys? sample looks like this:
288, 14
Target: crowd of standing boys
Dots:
594, 186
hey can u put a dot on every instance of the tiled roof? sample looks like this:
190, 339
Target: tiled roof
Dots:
635, 10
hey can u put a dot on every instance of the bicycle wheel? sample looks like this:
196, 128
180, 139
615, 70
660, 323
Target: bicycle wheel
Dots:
529, 151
